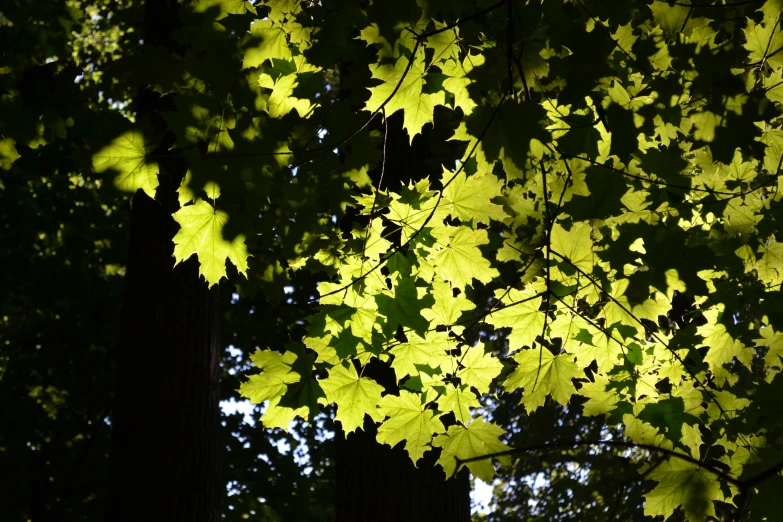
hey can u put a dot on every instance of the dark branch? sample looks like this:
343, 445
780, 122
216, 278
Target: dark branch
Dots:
617, 443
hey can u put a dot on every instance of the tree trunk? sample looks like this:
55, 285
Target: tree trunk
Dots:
165, 415
377, 483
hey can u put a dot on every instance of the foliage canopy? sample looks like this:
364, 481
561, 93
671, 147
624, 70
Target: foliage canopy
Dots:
597, 227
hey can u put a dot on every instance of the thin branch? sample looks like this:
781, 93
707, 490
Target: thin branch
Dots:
380, 184
548, 223
763, 476
618, 443
462, 21
708, 6
592, 323
510, 47
769, 42
643, 178
431, 214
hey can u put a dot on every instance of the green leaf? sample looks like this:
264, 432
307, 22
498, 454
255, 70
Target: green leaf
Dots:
459, 259
281, 100
540, 374
478, 368
619, 95
601, 400
668, 415
274, 378
355, 396
201, 233
418, 107
226, 7
520, 313
404, 305
685, 484
8, 153
409, 420
447, 308
457, 81
421, 351
458, 400
127, 155
268, 42
575, 244
723, 348
469, 198
477, 439
764, 38
512, 134
670, 18
276, 416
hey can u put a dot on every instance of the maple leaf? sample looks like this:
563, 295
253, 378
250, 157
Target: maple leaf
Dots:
225, 7
128, 155
512, 135
762, 38
276, 416
274, 378
468, 198
601, 399
670, 18
355, 396
477, 439
575, 244
8, 153
271, 44
409, 420
457, 81
412, 212
404, 305
478, 368
459, 258
281, 100
685, 484
201, 233
421, 351
418, 107
723, 348
447, 308
619, 95
520, 313
458, 400
540, 374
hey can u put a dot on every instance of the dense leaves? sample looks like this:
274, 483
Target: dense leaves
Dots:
604, 197
590, 225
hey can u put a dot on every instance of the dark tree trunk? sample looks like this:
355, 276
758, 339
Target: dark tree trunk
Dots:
379, 484
165, 415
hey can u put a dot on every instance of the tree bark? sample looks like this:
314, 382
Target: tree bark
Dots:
378, 483
165, 416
